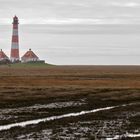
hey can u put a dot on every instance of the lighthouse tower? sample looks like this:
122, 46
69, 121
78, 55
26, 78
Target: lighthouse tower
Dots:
15, 41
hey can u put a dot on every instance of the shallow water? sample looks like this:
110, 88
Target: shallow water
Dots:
124, 136
80, 128
11, 113
32, 122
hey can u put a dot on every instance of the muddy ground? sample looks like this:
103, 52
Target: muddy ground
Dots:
30, 93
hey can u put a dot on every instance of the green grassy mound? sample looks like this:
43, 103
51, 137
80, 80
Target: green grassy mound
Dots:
30, 65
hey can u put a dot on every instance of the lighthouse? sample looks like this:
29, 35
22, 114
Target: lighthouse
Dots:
14, 57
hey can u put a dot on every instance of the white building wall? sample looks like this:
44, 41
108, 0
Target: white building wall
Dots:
29, 59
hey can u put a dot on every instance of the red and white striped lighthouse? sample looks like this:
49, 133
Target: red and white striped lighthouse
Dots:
15, 41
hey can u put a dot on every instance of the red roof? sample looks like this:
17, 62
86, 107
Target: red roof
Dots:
3, 55
30, 54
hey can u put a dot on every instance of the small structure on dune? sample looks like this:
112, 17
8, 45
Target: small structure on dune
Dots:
3, 57
29, 56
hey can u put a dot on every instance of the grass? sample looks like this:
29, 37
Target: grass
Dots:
42, 81
28, 65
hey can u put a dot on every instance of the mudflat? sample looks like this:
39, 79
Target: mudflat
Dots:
34, 92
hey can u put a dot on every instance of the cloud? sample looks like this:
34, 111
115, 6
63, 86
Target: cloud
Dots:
72, 21
52, 21
70, 11
127, 4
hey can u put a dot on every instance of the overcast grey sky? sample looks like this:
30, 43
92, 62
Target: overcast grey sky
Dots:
71, 11
75, 31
